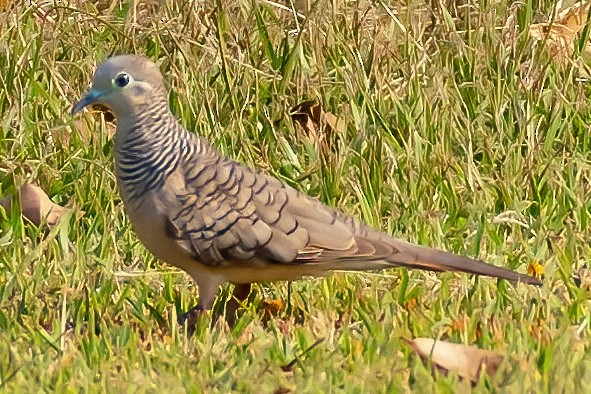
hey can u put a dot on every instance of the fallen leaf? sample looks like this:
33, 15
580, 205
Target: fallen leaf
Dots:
574, 16
307, 114
36, 206
467, 361
84, 126
561, 31
4, 4
99, 108
315, 122
559, 38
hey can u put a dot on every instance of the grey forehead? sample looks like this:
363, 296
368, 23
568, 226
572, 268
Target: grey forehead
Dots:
140, 67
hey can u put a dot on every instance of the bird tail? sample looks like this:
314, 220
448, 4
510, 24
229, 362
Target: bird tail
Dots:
415, 256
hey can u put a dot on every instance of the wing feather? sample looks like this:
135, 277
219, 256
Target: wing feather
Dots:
228, 214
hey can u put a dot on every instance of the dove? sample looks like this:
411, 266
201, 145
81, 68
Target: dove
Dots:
221, 221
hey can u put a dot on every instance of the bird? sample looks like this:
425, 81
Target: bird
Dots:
221, 221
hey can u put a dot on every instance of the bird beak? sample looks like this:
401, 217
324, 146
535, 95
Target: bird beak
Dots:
90, 97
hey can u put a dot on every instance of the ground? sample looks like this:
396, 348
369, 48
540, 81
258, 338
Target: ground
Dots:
442, 123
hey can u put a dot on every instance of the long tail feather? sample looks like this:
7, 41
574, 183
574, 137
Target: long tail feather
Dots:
414, 256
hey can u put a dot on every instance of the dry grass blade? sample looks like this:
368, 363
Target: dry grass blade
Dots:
289, 367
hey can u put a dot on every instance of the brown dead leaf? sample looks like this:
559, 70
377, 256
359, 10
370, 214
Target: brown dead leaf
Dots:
61, 135
469, 362
510, 28
80, 128
103, 6
574, 16
286, 326
539, 331
331, 120
282, 390
36, 206
308, 115
559, 38
99, 108
42, 12
561, 32
82, 124
315, 122
460, 323
4, 4
582, 279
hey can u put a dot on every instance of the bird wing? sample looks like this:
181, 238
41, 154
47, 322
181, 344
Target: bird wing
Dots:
225, 213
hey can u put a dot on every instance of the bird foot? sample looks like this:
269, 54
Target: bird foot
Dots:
192, 316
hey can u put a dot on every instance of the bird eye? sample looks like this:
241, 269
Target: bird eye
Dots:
122, 80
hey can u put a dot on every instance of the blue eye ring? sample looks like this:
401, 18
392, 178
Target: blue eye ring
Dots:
122, 80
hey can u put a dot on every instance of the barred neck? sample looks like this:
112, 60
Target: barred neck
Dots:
151, 149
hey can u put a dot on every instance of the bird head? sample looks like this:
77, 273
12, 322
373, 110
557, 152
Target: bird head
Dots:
124, 84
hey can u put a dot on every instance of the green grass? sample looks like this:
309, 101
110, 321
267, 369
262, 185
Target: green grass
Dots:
449, 135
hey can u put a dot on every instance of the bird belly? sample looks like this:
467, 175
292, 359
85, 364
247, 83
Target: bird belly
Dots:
148, 222
241, 272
